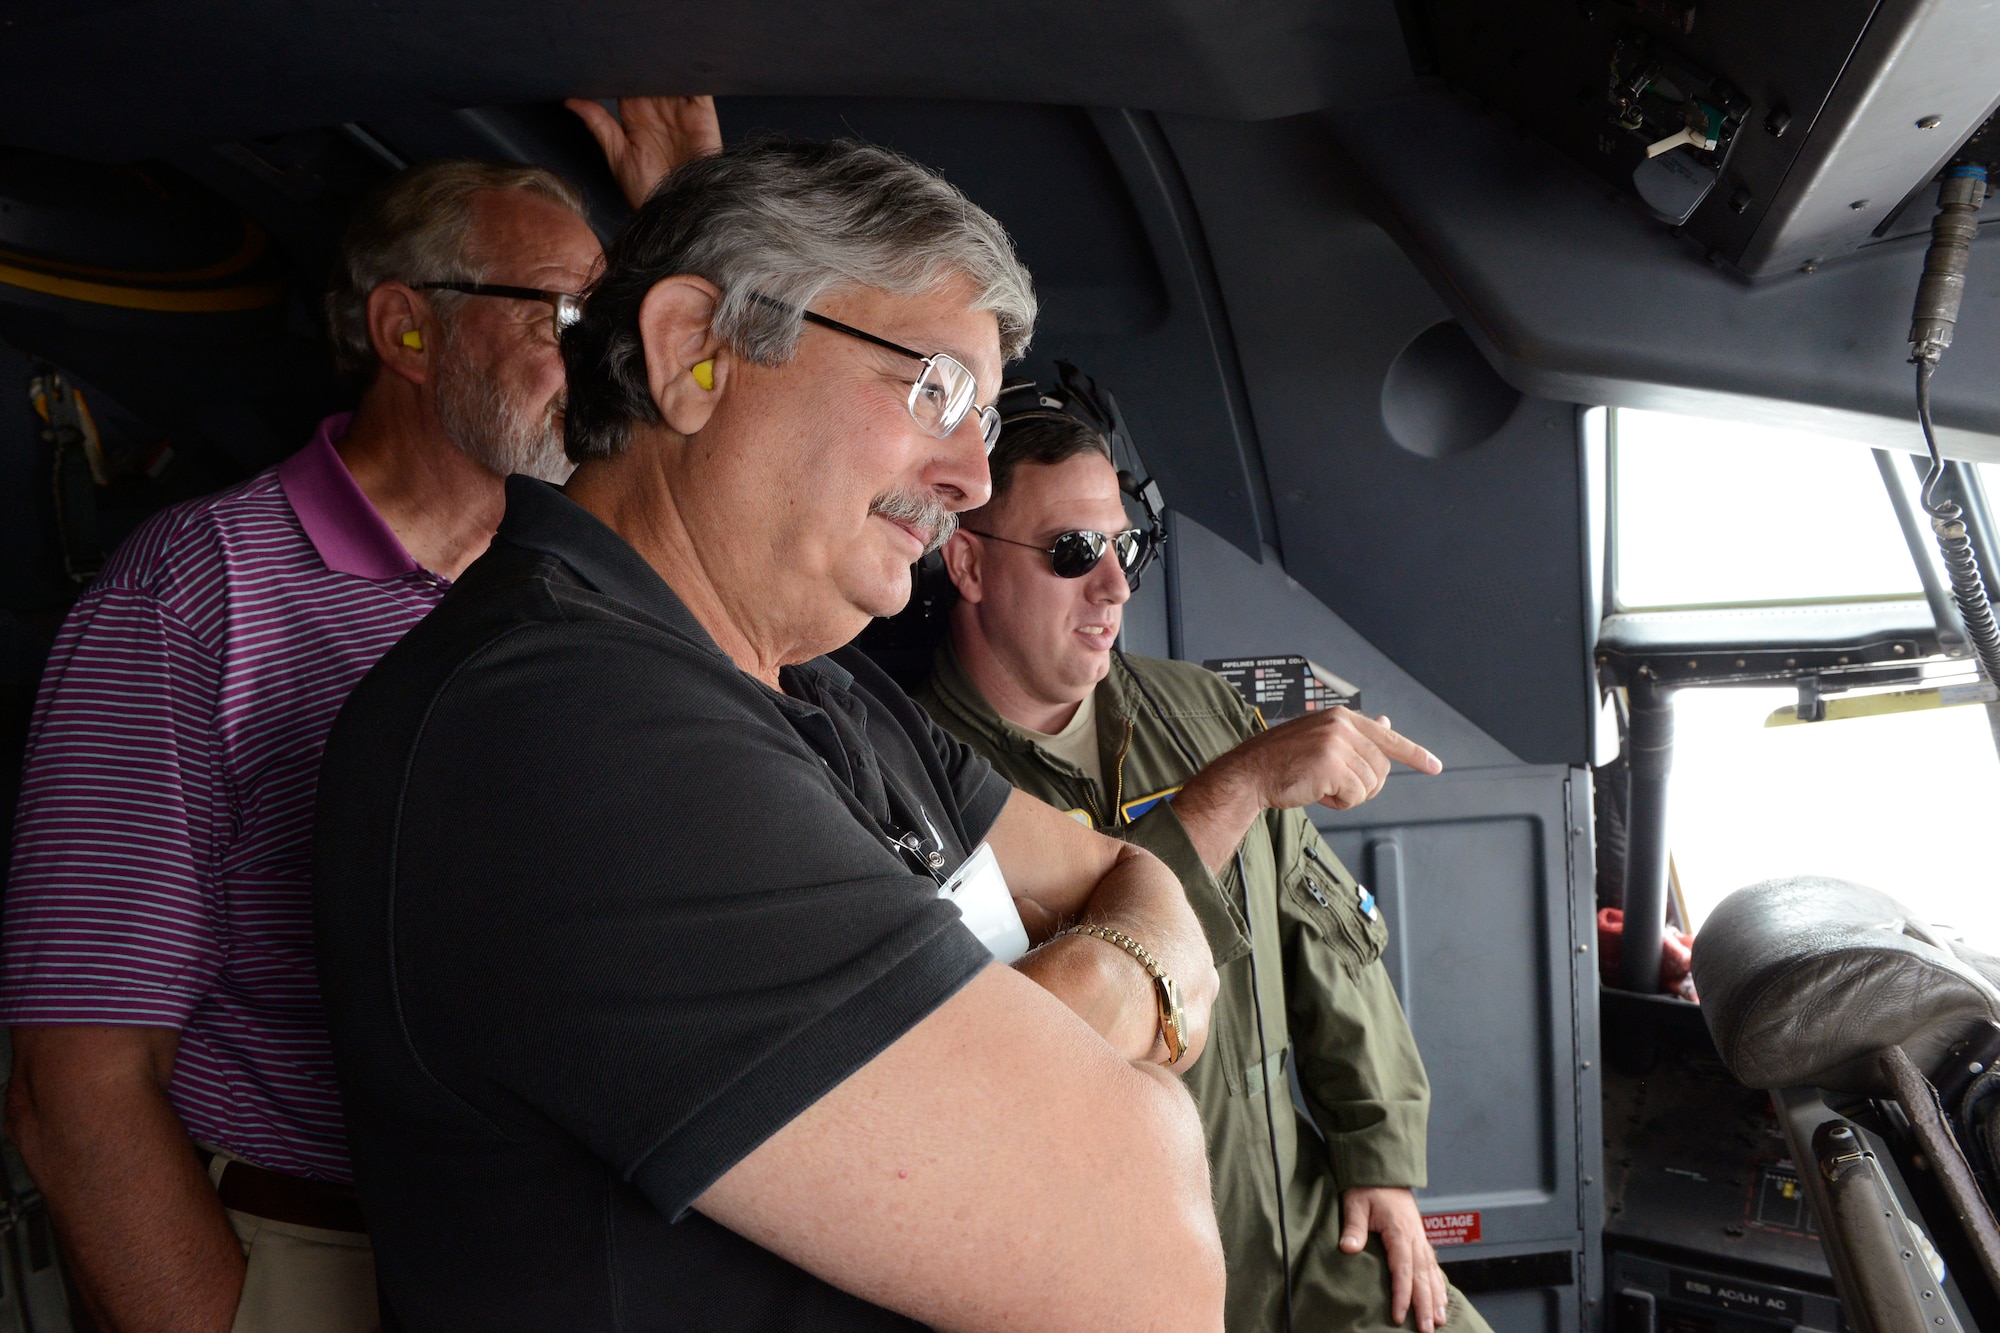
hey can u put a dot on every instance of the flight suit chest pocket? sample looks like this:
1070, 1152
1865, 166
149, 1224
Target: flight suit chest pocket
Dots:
1338, 908
1249, 1076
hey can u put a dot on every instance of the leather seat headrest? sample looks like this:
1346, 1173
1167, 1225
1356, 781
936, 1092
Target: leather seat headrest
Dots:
1803, 980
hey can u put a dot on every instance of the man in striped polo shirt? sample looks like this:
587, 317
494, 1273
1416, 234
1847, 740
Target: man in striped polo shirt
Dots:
157, 963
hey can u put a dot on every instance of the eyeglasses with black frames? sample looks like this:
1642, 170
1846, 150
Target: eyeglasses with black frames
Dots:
941, 398
1075, 554
568, 305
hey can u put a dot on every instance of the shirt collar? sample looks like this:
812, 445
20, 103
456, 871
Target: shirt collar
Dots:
350, 536
1084, 717
954, 689
541, 518
951, 685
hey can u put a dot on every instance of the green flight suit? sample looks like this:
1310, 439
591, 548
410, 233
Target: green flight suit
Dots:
1316, 939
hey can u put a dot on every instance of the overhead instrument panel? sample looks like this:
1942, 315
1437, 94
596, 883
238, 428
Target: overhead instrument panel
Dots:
1777, 134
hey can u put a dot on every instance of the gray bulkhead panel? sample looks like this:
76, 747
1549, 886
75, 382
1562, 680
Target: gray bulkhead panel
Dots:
1464, 564
1485, 877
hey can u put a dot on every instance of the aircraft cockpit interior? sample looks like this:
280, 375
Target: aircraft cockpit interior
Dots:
1607, 391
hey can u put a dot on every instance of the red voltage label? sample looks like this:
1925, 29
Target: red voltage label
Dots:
1451, 1228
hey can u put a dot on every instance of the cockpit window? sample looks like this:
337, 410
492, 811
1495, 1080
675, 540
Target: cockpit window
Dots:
1720, 513
1890, 790
1900, 801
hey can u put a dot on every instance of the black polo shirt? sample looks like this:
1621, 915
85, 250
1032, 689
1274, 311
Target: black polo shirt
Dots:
597, 914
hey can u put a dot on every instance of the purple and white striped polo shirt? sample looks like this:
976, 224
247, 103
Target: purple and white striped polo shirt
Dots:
162, 871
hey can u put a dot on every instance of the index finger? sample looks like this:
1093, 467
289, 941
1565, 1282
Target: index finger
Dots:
1398, 746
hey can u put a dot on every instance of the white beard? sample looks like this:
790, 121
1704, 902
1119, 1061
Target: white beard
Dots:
495, 430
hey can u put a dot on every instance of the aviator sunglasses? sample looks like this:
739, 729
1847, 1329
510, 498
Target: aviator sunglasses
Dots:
1075, 554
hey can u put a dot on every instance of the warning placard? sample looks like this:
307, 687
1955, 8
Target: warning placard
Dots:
1451, 1228
1286, 686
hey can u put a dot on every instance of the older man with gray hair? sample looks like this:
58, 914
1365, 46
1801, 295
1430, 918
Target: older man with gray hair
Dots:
648, 1007
173, 1093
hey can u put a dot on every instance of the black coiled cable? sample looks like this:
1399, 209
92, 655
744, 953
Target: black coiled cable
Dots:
1955, 228
1961, 562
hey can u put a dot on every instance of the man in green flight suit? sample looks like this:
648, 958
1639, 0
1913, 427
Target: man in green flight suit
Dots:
1169, 756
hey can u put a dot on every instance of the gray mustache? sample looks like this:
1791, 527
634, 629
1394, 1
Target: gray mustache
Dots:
921, 508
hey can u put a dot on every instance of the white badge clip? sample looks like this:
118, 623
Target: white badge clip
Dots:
980, 891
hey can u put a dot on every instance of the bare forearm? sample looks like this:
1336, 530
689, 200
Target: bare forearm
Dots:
145, 1237
924, 1181
1142, 898
1216, 808
1060, 872
1094, 986
1337, 758
1107, 987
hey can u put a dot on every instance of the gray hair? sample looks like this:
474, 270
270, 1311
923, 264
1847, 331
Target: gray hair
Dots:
415, 228
775, 225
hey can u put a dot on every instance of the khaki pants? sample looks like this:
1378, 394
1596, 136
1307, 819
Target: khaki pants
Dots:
302, 1279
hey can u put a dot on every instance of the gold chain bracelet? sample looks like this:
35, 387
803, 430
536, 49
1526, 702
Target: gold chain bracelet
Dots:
1123, 941
1166, 992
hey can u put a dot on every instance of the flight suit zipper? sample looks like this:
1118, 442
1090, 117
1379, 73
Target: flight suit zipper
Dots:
1312, 884
1118, 774
1358, 922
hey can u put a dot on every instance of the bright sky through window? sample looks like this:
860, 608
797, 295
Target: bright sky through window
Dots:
1713, 512
1902, 803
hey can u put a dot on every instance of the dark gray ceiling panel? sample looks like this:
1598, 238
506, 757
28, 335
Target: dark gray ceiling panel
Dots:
127, 80
1578, 295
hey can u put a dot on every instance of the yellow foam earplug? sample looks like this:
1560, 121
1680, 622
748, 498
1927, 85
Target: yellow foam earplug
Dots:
414, 340
704, 373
